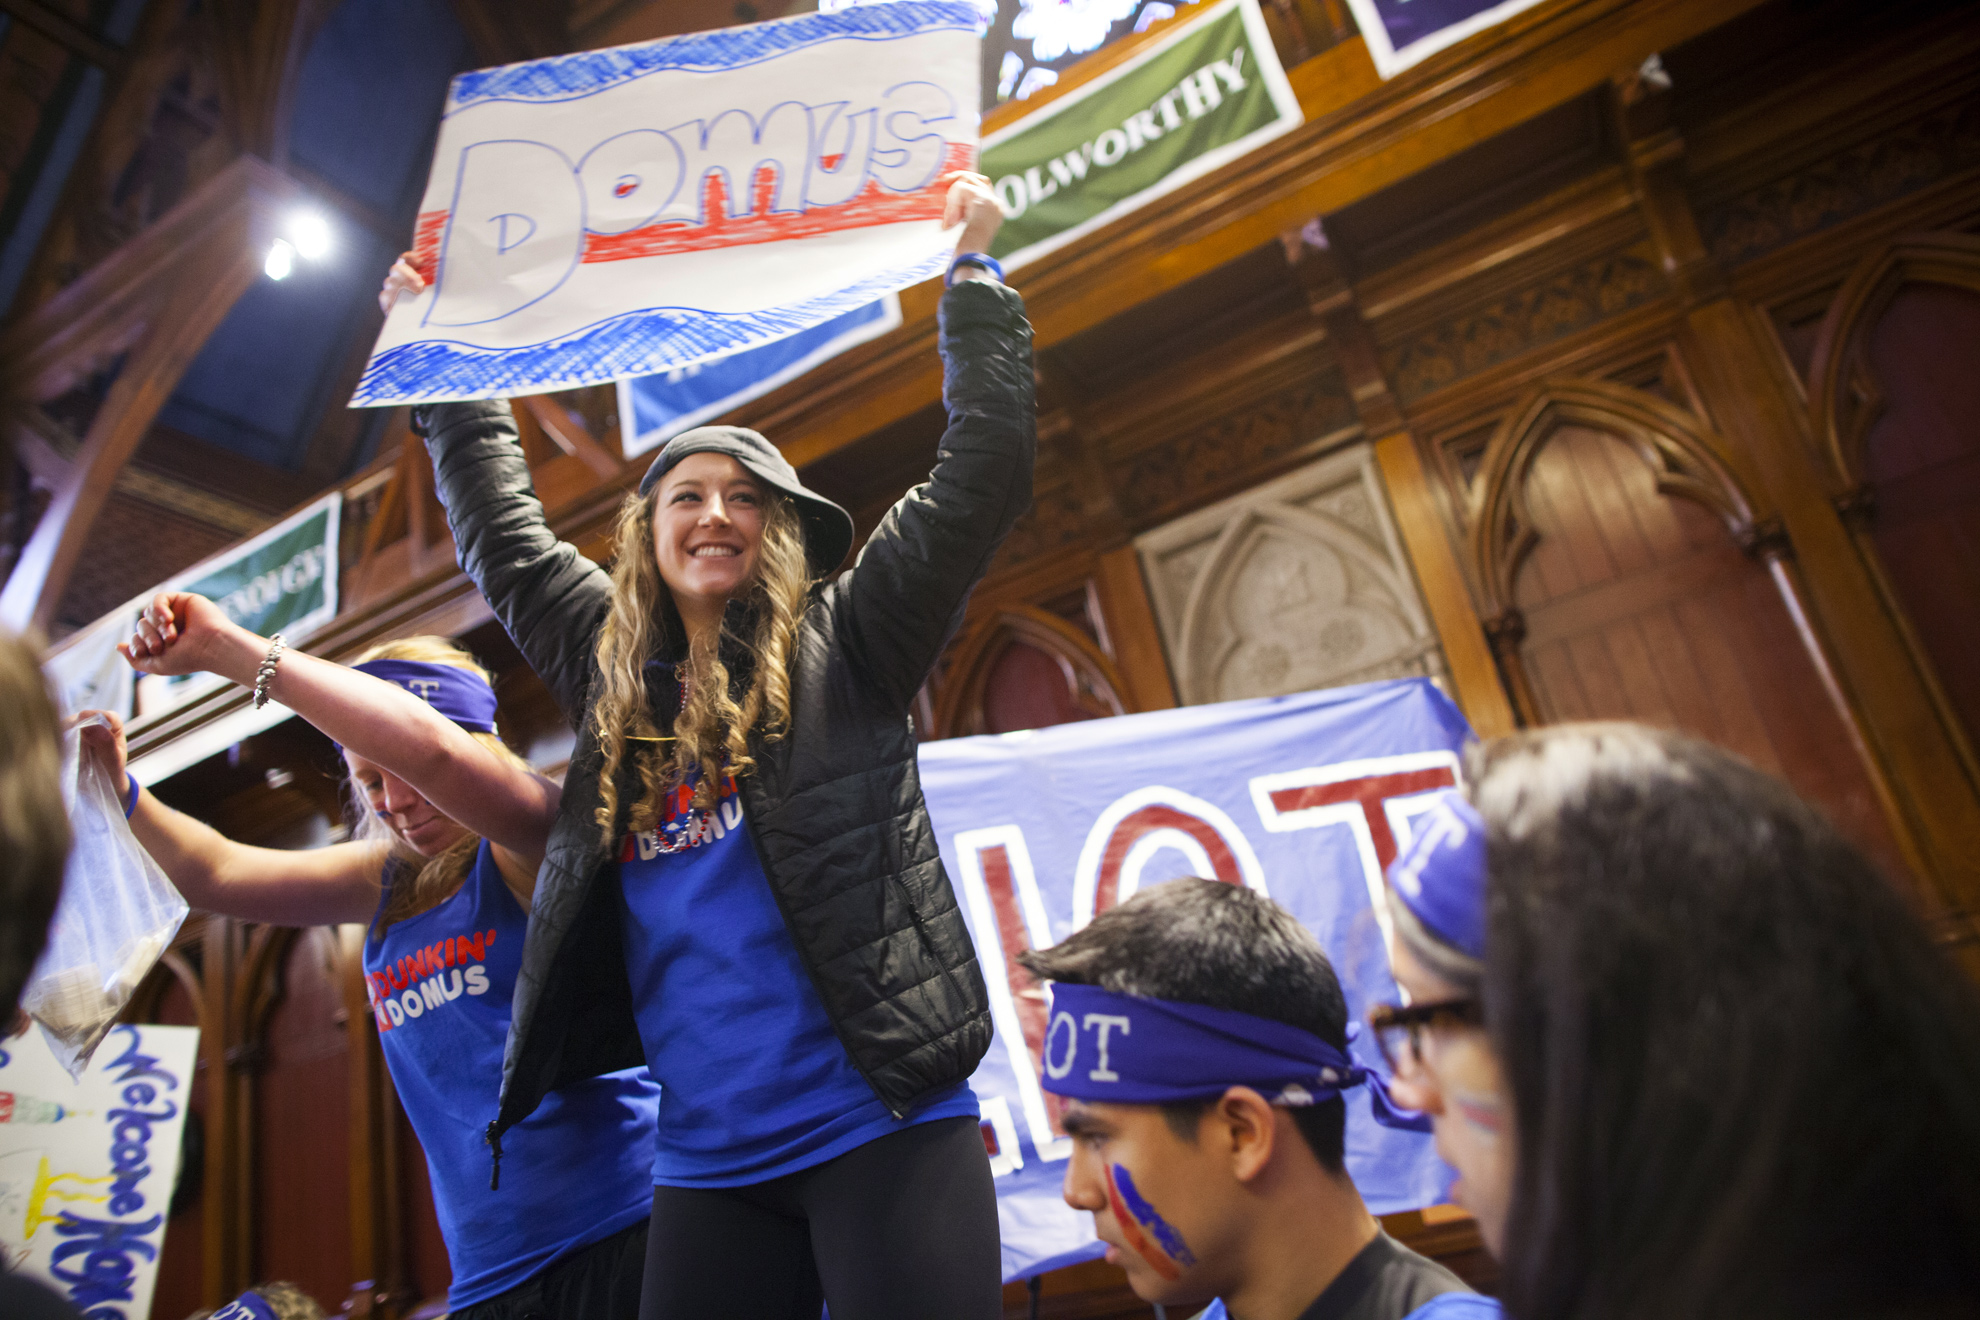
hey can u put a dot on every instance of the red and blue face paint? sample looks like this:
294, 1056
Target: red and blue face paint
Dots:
1140, 1221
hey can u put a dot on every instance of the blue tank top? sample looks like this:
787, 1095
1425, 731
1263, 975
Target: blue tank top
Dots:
574, 1171
755, 1083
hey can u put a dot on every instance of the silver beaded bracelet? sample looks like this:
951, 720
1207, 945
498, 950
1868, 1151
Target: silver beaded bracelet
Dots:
267, 669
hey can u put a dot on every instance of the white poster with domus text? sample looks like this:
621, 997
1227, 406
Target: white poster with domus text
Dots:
634, 211
87, 1168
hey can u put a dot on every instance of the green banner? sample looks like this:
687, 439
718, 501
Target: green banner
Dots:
283, 583
281, 580
1194, 101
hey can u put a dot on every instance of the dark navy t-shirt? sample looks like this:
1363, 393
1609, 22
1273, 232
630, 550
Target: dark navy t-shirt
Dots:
573, 1172
755, 1083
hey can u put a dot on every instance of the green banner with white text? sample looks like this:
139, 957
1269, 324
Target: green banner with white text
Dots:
1199, 98
282, 580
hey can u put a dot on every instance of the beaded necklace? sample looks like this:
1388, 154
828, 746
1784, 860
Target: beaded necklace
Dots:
679, 834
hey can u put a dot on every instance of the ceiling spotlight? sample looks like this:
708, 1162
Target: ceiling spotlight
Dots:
311, 235
281, 260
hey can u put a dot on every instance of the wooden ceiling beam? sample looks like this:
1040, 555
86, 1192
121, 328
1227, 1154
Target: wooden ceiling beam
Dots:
160, 295
1360, 136
67, 33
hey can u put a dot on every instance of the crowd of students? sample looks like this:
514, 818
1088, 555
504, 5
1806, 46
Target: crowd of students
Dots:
703, 1047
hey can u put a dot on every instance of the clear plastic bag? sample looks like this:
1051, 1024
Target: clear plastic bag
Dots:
117, 916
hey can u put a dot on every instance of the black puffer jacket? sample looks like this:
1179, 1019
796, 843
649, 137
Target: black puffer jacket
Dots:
834, 808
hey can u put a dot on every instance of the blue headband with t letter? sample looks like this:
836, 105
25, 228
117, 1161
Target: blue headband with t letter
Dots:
1441, 879
250, 1305
1124, 1049
462, 696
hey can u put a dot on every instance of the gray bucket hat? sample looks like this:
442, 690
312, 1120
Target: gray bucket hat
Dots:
828, 529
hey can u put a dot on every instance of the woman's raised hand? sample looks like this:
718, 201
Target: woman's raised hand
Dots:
973, 204
402, 278
181, 633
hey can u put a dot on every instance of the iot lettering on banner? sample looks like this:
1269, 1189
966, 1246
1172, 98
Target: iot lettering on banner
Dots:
1305, 799
87, 1168
638, 210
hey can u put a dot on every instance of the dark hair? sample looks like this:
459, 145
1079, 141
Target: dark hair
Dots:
1201, 942
1746, 1082
34, 826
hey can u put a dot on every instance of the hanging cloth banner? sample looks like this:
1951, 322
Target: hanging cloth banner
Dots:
1305, 798
1194, 101
87, 1167
1405, 32
654, 408
632, 211
283, 580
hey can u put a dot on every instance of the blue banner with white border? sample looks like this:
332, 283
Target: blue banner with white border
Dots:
1405, 32
652, 409
1306, 798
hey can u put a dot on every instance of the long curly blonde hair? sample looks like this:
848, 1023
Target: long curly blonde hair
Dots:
423, 882
711, 735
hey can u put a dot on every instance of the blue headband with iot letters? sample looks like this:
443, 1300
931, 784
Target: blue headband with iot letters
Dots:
1441, 879
1125, 1049
462, 696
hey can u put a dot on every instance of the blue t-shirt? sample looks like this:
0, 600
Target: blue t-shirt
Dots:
573, 1172
755, 1082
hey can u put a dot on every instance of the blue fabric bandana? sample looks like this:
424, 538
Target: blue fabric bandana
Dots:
463, 697
1124, 1049
1441, 879
249, 1305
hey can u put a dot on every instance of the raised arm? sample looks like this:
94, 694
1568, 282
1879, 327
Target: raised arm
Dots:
305, 887
549, 597
904, 597
180, 633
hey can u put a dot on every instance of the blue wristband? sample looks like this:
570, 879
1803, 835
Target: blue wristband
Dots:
131, 805
982, 259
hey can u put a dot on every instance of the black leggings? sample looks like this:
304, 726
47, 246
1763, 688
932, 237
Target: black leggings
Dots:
901, 1227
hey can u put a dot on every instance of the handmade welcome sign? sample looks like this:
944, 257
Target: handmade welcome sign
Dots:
1305, 798
631, 211
87, 1167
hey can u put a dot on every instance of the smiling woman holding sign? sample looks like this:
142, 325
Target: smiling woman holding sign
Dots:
742, 885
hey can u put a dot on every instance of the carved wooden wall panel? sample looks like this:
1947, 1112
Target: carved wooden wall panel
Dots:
1639, 605
301, 1156
1298, 584
1921, 464
1028, 668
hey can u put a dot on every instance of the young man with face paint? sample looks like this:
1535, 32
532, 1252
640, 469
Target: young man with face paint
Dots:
1200, 1035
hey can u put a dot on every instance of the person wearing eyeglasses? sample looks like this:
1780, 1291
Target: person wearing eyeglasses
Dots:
1439, 1055
1689, 1053
1199, 1034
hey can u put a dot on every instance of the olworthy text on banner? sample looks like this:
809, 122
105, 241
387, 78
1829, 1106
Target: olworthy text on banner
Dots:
631, 211
1305, 798
1194, 101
